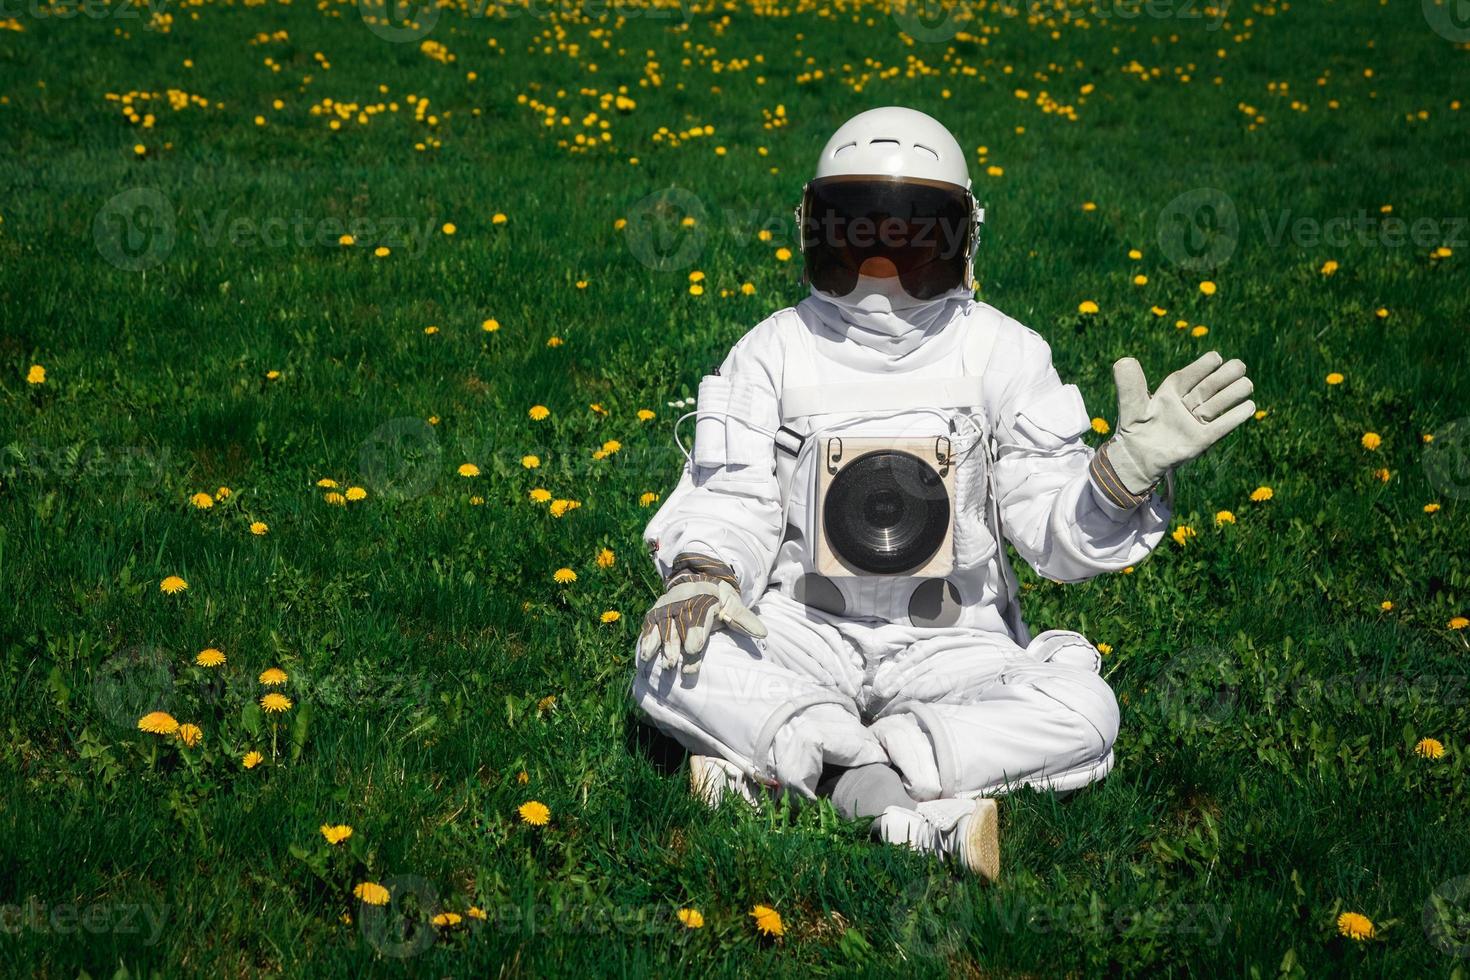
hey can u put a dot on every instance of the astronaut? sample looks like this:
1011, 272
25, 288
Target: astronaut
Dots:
840, 617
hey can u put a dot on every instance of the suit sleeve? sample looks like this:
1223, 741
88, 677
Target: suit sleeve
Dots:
1052, 509
728, 503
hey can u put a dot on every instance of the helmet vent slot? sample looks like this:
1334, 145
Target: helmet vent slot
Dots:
844, 148
883, 141
928, 150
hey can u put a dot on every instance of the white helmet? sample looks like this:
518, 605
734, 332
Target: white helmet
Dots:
892, 190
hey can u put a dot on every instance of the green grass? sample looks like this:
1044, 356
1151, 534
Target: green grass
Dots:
1266, 778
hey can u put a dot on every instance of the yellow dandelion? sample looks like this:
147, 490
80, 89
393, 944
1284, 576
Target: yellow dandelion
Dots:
36, 375
1328, 267
611, 446
498, 219
1208, 288
431, 329
490, 325
1100, 426
606, 558
158, 723
1199, 331
530, 462
523, 777
1224, 517
1334, 378
1140, 280
172, 585
1087, 307
449, 228
1158, 311
1429, 748
1182, 533
476, 501
1104, 648
252, 759
647, 499
1458, 623
564, 576
382, 251
336, 833
1386, 605
620, 224
223, 493
767, 921
747, 289
554, 341
538, 413
540, 495
1372, 440
335, 499
190, 734
1431, 508
259, 528
1262, 493
1381, 313
546, 703
1135, 254
475, 912
202, 501
346, 240
468, 470
1355, 926
327, 483
210, 657
275, 702
446, 920
534, 813
273, 677
645, 415
783, 254
1383, 474
371, 893
356, 493
692, 918
1089, 206
610, 616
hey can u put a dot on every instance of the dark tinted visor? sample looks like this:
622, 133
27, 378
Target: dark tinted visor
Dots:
921, 229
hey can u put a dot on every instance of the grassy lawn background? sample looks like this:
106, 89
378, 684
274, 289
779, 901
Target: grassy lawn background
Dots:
200, 326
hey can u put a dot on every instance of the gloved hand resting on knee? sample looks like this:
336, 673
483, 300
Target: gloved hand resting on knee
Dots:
701, 595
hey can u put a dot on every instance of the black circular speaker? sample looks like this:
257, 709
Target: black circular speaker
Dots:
886, 512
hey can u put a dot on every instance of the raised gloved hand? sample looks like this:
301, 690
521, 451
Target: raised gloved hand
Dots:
701, 596
1193, 409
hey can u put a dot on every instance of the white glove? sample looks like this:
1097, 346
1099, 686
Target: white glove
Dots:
700, 597
1193, 409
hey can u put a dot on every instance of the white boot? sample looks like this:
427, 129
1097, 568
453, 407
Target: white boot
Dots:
711, 777
964, 832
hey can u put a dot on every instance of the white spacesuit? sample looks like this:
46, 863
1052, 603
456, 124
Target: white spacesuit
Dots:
839, 596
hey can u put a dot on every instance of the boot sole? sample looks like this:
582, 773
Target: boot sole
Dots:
982, 840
